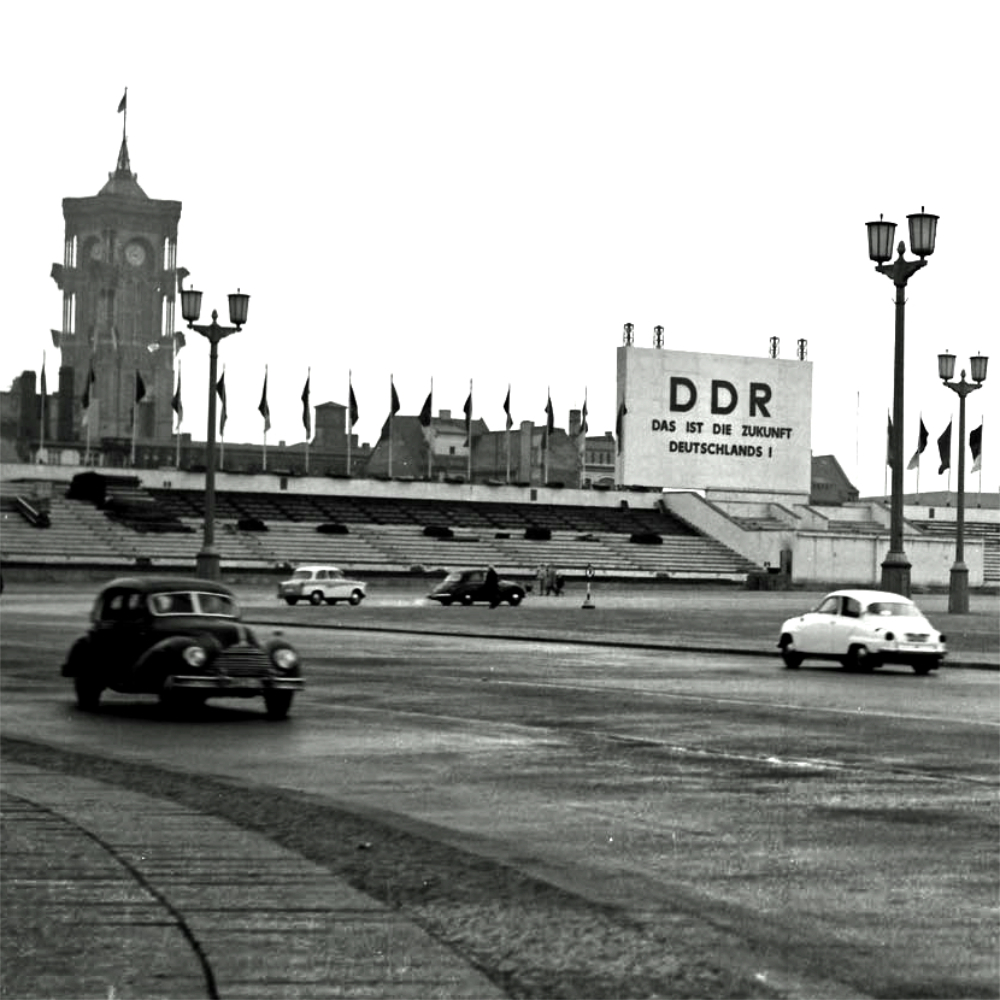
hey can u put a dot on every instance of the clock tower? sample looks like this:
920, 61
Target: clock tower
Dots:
118, 280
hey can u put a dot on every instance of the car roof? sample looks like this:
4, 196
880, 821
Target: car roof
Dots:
867, 596
154, 584
312, 567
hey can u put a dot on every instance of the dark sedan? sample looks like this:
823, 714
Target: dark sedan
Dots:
469, 587
181, 639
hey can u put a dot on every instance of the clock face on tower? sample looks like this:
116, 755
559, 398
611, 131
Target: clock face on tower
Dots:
135, 254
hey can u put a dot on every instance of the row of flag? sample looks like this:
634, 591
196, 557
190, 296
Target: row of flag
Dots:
264, 408
944, 448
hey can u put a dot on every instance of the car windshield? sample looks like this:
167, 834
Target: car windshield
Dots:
451, 578
187, 603
903, 609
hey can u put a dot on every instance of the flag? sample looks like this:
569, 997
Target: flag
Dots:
393, 399
468, 419
179, 340
976, 447
506, 409
306, 412
91, 379
220, 391
583, 419
890, 453
550, 417
56, 337
620, 424
45, 390
352, 405
176, 401
123, 103
140, 388
265, 410
921, 445
425, 412
944, 449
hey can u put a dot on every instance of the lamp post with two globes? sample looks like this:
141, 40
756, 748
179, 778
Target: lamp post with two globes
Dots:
958, 584
207, 566
923, 233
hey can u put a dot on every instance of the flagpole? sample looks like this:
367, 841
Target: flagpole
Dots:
545, 467
468, 432
430, 437
41, 432
266, 421
350, 428
507, 423
308, 378
583, 439
391, 415
177, 459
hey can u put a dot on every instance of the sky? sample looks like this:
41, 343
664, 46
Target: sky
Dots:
456, 191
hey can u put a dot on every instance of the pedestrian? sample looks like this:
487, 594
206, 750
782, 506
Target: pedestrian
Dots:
550, 579
540, 579
492, 587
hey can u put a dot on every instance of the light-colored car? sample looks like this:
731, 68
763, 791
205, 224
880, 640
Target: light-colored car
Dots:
317, 584
863, 629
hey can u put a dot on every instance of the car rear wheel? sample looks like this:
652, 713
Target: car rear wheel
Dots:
277, 703
356, 597
446, 602
316, 597
467, 599
291, 600
88, 693
515, 599
922, 667
792, 657
860, 660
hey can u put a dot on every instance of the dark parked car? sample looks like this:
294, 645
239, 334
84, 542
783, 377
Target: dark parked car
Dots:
469, 587
182, 639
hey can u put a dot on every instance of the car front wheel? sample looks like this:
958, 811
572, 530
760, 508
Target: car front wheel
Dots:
88, 693
292, 601
356, 597
316, 597
277, 703
791, 656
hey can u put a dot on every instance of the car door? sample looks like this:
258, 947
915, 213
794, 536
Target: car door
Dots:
844, 626
816, 632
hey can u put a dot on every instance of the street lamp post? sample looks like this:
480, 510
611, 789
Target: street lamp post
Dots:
923, 233
958, 585
208, 558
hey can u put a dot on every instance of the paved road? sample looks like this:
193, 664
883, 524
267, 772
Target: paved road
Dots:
498, 765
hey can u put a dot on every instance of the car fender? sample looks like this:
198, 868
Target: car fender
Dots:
77, 658
168, 651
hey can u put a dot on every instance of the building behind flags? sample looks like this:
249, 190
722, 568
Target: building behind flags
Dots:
976, 447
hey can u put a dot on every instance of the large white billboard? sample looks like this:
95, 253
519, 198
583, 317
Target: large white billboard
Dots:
713, 421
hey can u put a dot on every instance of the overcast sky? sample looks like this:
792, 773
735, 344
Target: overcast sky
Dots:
489, 191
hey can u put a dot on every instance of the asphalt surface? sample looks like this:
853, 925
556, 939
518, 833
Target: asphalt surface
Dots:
109, 893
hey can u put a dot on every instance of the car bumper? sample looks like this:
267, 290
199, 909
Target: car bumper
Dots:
232, 685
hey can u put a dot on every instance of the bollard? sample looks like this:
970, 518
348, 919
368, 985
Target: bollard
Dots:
588, 603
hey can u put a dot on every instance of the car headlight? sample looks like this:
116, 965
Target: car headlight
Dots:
195, 656
285, 658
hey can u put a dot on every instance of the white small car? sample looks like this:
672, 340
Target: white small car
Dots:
863, 629
317, 584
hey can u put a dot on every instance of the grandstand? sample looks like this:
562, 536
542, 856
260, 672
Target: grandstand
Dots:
123, 524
